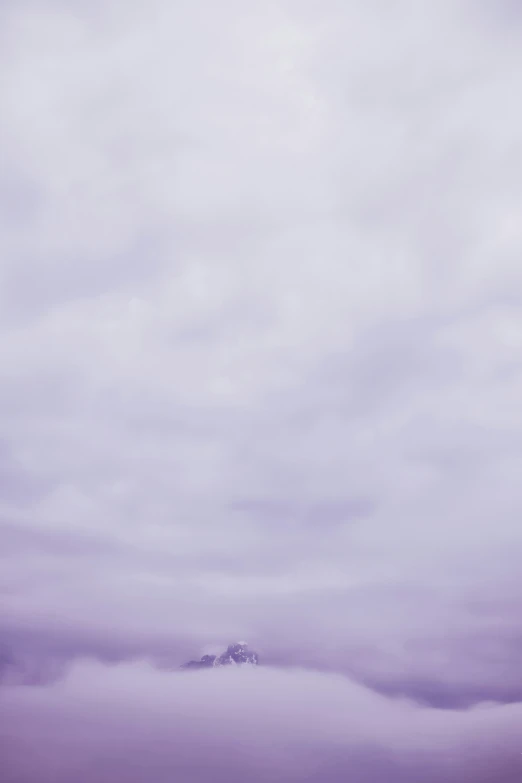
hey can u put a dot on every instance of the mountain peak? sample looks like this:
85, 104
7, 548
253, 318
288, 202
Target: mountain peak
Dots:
236, 653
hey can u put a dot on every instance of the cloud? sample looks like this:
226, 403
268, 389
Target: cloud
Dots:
260, 335
132, 722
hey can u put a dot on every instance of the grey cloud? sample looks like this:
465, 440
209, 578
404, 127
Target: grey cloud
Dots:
16, 485
260, 344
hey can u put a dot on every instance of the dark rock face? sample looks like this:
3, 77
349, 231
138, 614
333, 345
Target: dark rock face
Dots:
206, 662
235, 654
238, 653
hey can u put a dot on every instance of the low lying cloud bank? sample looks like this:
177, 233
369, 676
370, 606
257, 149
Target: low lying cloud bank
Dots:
133, 723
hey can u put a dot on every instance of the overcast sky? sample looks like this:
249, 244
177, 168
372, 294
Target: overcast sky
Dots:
261, 337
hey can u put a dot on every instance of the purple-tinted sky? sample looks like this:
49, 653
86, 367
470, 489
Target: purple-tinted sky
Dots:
261, 377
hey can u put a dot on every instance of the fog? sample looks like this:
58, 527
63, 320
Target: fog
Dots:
260, 378
133, 723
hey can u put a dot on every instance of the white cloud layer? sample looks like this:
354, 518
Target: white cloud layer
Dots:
135, 724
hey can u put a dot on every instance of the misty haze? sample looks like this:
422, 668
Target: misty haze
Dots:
260, 391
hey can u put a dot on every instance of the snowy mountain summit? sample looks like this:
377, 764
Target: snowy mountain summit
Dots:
235, 654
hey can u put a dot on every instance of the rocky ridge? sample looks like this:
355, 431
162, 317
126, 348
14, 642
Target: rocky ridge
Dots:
235, 654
